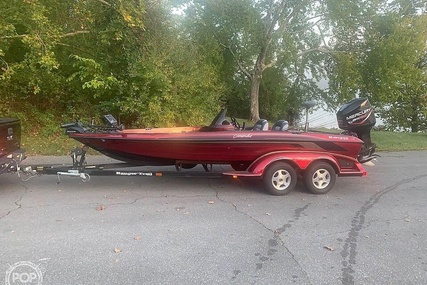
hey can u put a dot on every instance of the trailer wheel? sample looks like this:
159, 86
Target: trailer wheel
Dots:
84, 177
320, 177
280, 178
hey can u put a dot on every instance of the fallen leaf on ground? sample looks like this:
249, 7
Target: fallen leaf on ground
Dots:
100, 208
137, 238
330, 248
117, 250
211, 202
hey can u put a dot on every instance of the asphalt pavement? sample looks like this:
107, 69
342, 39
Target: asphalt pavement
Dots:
172, 230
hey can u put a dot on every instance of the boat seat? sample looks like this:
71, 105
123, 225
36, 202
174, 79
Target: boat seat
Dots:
261, 125
280, 125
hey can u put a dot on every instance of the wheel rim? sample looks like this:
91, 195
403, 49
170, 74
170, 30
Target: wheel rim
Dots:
321, 178
281, 179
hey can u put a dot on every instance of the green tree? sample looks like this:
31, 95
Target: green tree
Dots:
386, 62
81, 58
46, 44
256, 36
395, 72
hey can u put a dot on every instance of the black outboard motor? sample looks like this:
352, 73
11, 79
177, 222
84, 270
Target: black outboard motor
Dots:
357, 118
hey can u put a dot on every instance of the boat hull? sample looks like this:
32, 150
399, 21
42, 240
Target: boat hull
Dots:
226, 147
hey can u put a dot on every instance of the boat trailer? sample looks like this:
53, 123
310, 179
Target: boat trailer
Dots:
279, 170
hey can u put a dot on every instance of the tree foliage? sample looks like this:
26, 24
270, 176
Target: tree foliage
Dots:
276, 35
388, 65
396, 73
63, 59
81, 58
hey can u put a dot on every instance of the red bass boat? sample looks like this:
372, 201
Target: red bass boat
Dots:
276, 154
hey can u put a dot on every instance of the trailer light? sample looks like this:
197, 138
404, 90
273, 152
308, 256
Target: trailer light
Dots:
159, 174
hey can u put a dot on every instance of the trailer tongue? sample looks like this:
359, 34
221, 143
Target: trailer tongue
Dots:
80, 169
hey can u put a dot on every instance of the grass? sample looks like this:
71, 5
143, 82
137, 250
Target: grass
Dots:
59, 144
394, 141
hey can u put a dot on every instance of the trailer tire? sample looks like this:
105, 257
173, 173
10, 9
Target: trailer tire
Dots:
85, 177
320, 177
280, 178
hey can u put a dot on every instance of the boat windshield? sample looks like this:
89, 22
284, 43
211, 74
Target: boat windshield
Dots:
219, 118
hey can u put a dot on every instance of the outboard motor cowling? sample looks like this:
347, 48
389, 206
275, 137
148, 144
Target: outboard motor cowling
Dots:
357, 118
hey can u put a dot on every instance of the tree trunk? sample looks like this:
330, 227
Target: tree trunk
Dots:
255, 83
415, 123
260, 62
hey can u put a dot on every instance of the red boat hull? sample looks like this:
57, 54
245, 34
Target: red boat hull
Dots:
143, 147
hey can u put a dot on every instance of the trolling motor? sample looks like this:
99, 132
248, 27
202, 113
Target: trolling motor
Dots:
110, 125
357, 118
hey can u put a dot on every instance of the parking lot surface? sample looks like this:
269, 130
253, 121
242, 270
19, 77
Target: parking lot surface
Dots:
171, 230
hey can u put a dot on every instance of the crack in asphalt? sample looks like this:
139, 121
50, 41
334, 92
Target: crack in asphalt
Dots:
349, 251
97, 204
273, 242
243, 213
151, 197
277, 236
17, 203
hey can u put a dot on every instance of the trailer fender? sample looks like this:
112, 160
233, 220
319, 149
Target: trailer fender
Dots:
300, 161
